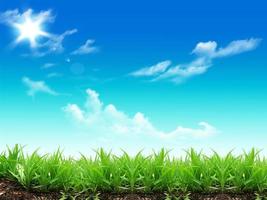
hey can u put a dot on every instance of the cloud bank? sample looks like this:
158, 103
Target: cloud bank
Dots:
98, 118
205, 53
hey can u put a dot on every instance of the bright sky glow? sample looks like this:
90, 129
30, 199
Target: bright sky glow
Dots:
30, 29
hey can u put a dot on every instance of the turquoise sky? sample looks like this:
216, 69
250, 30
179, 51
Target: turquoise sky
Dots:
143, 75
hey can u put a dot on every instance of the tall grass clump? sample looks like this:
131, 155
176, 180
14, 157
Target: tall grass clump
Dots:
158, 172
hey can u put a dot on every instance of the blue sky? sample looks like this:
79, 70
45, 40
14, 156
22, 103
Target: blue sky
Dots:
133, 75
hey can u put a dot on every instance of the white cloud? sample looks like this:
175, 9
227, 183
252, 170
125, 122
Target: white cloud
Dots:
205, 48
206, 52
153, 70
235, 47
37, 87
11, 17
87, 48
75, 112
98, 118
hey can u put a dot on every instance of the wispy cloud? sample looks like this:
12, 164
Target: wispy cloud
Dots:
98, 118
54, 44
152, 70
181, 72
209, 49
205, 53
37, 87
54, 75
11, 17
48, 65
87, 48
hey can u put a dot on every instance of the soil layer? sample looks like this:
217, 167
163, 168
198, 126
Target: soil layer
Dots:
10, 190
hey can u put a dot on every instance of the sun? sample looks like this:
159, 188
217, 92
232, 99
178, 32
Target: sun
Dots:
30, 29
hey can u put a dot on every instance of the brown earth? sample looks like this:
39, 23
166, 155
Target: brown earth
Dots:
194, 196
244, 196
10, 190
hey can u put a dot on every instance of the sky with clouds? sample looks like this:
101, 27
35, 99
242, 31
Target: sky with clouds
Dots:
137, 75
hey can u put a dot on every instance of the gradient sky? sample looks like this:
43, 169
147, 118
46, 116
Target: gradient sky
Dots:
164, 66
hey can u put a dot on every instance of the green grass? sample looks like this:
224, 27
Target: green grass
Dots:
158, 172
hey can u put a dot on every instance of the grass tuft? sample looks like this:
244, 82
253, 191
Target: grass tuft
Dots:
157, 172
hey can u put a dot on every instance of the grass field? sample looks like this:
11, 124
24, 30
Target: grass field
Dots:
158, 173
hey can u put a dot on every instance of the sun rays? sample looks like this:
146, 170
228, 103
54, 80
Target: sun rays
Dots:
30, 28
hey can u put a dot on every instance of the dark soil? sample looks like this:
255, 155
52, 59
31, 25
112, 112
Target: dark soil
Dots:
10, 190
244, 196
194, 196
154, 196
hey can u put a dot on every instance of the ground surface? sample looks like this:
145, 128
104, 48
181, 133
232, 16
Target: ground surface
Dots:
12, 191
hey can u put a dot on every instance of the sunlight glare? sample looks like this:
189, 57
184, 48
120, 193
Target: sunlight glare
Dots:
29, 30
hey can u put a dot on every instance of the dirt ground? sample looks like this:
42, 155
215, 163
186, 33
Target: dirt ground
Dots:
12, 191
192, 197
